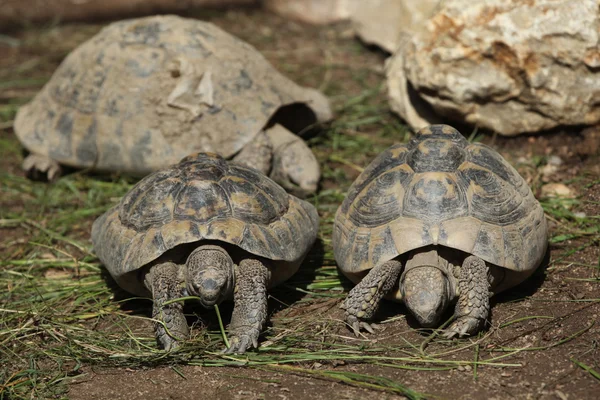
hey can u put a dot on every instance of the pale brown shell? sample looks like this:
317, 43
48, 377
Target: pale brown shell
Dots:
203, 198
440, 190
144, 93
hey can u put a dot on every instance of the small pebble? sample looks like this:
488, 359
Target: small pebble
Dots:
266, 31
557, 190
555, 160
547, 171
579, 214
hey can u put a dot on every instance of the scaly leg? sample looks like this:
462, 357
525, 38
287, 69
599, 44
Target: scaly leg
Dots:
473, 306
164, 282
363, 300
250, 305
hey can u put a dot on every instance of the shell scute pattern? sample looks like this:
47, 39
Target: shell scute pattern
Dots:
147, 34
490, 160
491, 198
435, 196
436, 155
452, 193
382, 244
201, 201
393, 157
489, 243
203, 166
150, 203
251, 204
381, 200
185, 204
443, 132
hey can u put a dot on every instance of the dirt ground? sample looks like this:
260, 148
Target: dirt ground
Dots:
544, 338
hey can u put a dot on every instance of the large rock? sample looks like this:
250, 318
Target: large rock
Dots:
387, 23
384, 23
311, 11
511, 66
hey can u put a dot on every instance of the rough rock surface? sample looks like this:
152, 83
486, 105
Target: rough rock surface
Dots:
311, 11
509, 66
387, 23
384, 23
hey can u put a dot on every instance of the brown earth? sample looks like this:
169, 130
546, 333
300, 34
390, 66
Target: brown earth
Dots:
564, 297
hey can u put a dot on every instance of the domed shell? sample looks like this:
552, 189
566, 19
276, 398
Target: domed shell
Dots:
143, 93
203, 198
440, 190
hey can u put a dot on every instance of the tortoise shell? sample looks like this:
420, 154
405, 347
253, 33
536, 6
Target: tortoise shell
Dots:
143, 93
440, 190
204, 198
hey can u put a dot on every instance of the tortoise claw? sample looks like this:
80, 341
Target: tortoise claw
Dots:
239, 344
38, 167
464, 326
169, 344
358, 325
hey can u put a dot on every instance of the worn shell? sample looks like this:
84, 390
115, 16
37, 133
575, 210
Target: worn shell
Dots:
204, 198
143, 93
439, 189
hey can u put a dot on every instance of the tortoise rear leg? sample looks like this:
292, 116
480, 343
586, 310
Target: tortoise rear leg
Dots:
363, 300
295, 166
257, 154
164, 282
39, 167
250, 305
473, 305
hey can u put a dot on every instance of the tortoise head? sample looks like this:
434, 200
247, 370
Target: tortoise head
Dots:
209, 274
426, 293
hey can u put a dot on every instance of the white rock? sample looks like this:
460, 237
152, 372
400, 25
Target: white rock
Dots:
384, 23
388, 23
557, 190
510, 66
311, 11
548, 170
555, 160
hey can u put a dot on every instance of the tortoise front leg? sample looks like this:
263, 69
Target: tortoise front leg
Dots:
38, 167
250, 305
363, 300
170, 325
473, 305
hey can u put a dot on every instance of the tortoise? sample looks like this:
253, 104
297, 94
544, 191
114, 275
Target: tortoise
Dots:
209, 228
433, 222
143, 93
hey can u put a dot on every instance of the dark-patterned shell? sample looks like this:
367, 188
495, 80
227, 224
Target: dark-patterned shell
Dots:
202, 198
439, 189
143, 93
